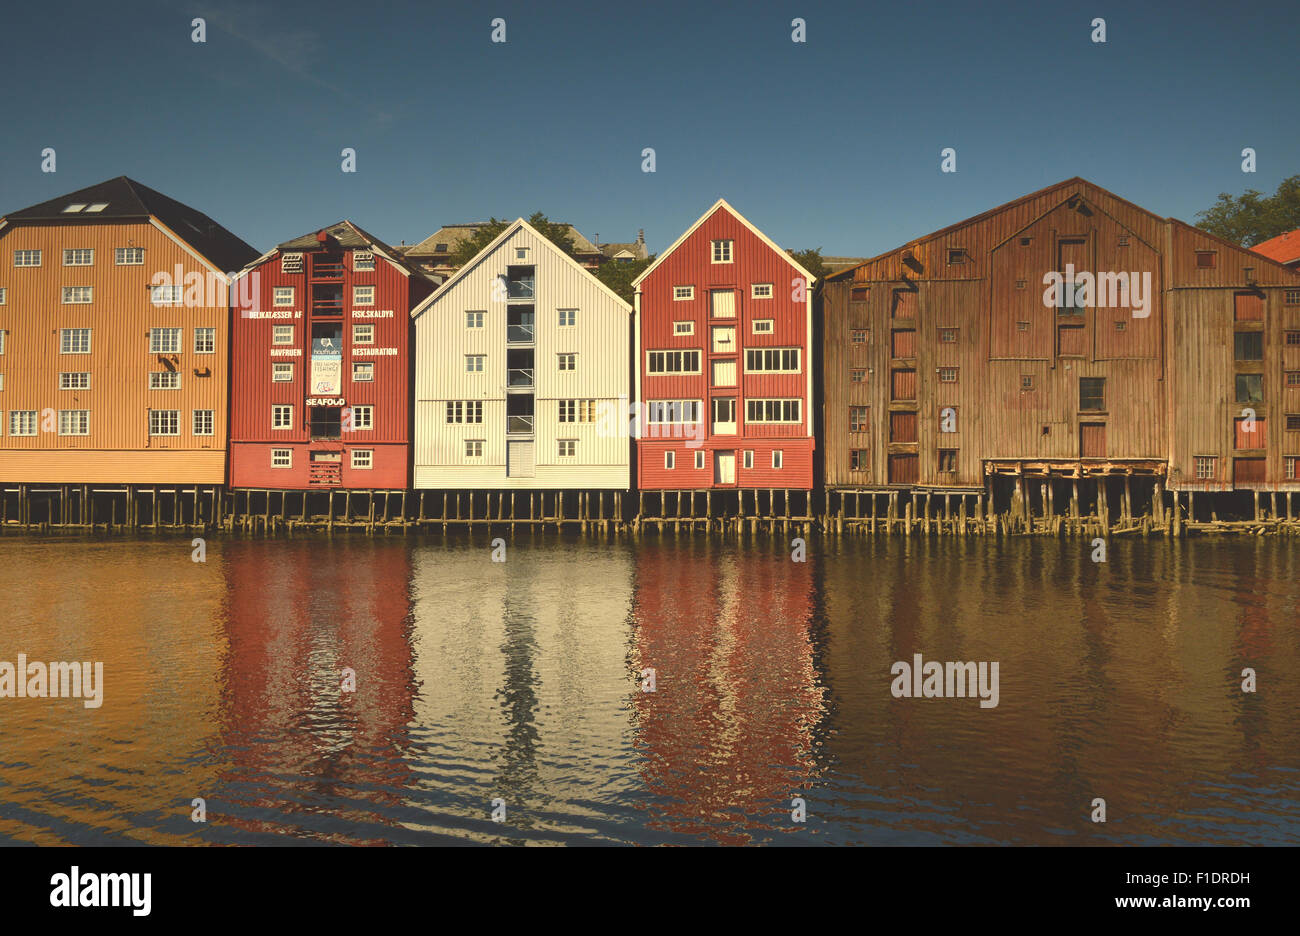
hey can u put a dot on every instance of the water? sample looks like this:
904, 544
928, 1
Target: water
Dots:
521, 681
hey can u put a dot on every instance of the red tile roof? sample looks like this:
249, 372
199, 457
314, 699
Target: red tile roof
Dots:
1284, 248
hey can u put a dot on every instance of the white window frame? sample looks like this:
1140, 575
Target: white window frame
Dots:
570, 314
282, 335
367, 455
155, 423
778, 458
363, 417
78, 295
568, 358
282, 367
209, 332
747, 458
363, 261
723, 251
363, 333
125, 256
768, 326
158, 346
679, 330
78, 256
363, 295
22, 422
683, 293
166, 295
699, 459
291, 262
157, 383
4, 295
661, 412
779, 355
761, 291
781, 403
83, 427
281, 417
281, 458
576, 411
562, 444
282, 296
474, 448
25, 258
363, 367
211, 420
650, 359
82, 381
475, 363
474, 319
66, 338
670, 460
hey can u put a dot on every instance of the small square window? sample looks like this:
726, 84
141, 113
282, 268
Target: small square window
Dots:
363, 459
1292, 297
1292, 338
1207, 259
948, 335
1293, 378
281, 458
682, 293
1205, 467
474, 448
761, 291
363, 295
281, 416
859, 418
1022, 326
859, 294
283, 296
1021, 284
567, 362
947, 375
1026, 241
1293, 422
1026, 381
956, 255
858, 460
568, 317
282, 373
567, 448
858, 336
363, 371
722, 251
282, 335
1121, 325
683, 328
1249, 346
474, 363
858, 375
474, 319
363, 334
1123, 240
763, 326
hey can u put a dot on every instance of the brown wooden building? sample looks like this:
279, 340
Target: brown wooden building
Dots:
956, 363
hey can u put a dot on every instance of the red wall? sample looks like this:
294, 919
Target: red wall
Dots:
253, 392
754, 262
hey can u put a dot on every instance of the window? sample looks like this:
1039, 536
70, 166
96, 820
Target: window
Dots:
363, 417
1022, 284
474, 448
74, 341
1205, 467
363, 371
363, 334
1121, 325
474, 363
1293, 378
858, 336
1291, 297
747, 460
77, 295
1291, 468
281, 458
464, 411
363, 295
1250, 388
1292, 338
164, 380
283, 296
128, 256
1022, 326
947, 375
363, 261
1293, 422
1249, 346
670, 460
202, 421
859, 293
74, 381
763, 326
699, 459
956, 255
164, 422
96, 207
291, 263
27, 258
205, 340
568, 317
683, 328
947, 460
2, 340
760, 291
773, 411
948, 335
778, 458
674, 362
74, 208
78, 257
1207, 259
4, 295
74, 422
577, 411
282, 334
282, 373
1092, 393
722, 251
22, 423
672, 411
1026, 381
363, 459
567, 362
1026, 241
683, 292
858, 460
474, 319
858, 375
166, 295
164, 340
772, 360
1122, 241
281, 416
859, 418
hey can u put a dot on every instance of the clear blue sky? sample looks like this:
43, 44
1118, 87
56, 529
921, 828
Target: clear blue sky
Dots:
833, 143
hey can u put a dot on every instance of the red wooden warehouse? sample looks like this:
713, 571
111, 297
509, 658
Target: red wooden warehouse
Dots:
724, 362
321, 347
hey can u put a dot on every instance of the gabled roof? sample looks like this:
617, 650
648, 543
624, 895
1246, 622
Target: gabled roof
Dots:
518, 224
1285, 248
453, 234
124, 199
349, 236
722, 203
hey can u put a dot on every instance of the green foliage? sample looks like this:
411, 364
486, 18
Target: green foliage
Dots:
810, 260
469, 248
1254, 217
619, 276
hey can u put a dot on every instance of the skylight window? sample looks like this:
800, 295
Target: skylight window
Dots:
74, 208
97, 206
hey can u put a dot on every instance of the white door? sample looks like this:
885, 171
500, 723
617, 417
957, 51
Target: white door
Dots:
722, 303
724, 467
519, 459
724, 416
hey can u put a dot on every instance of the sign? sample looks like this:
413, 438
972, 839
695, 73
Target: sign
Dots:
326, 375
326, 401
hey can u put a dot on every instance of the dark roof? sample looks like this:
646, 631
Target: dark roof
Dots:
125, 199
351, 236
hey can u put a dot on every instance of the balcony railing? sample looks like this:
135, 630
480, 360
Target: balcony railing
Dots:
520, 288
519, 334
519, 377
327, 270
519, 424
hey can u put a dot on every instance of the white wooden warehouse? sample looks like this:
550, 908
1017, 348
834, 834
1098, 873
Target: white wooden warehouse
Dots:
522, 374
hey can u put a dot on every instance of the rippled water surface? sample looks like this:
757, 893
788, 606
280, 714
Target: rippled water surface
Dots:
521, 681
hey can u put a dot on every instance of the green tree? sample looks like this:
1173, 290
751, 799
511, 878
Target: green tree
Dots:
1254, 217
810, 260
469, 248
618, 276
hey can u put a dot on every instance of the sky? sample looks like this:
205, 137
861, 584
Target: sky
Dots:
834, 142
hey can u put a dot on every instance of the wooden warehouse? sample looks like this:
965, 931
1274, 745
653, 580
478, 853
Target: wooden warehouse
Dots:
725, 364
114, 330
1063, 352
321, 372
521, 385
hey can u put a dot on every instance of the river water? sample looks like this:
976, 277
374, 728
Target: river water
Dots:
518, 686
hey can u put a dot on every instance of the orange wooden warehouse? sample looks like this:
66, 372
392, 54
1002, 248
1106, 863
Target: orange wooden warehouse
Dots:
114, 312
